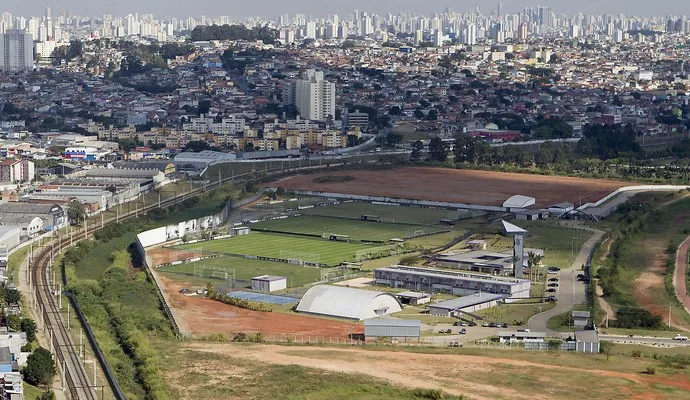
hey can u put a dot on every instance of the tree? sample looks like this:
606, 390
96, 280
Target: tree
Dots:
76, 212
47, 395
438, 150
40, 368
417, 148
29, 327
14, 322
196, 146
12, 296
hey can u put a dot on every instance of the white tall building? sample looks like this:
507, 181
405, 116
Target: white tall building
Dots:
314, 97
16, 51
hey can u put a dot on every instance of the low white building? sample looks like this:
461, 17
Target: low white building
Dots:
518, 336
269, 283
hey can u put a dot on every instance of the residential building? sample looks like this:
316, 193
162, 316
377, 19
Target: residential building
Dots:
313, 96
15, 171
16, 51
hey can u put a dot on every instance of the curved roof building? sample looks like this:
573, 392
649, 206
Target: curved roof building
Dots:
345, 302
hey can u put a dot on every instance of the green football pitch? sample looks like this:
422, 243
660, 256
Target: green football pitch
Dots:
245, 269
319, 250
404, 214
355, 228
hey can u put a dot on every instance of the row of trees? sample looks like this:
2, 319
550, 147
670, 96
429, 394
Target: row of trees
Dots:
234, 32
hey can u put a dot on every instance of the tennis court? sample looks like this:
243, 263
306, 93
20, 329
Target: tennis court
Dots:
263, 298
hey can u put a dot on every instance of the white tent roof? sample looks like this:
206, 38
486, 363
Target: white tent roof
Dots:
519, 201
512, 229
345, 302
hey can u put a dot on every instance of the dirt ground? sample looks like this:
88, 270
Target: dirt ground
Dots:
459, 186
161, 255
460, 374
202, 316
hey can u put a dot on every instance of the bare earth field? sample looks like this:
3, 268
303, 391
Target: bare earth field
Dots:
202, 316
515, 376
459, 186
162, 255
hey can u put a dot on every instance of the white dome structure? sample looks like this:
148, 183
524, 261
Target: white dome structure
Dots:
345, 302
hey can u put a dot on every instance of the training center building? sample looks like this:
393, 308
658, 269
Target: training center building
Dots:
392, 328
269, 283
488, 262
452, 282
349, 303
464, 305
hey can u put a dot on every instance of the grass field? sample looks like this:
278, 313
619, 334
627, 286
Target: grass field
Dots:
356, 229
271, 245
560, 244
245, 269
410, 215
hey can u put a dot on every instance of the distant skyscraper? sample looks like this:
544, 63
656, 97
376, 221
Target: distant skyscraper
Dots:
16, 51
522, 32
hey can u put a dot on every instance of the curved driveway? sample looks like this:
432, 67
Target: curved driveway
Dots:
570, 291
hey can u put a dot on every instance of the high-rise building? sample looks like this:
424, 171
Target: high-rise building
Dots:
522, 32
313, 96
16, 51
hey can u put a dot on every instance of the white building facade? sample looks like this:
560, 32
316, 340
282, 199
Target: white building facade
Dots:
16, 51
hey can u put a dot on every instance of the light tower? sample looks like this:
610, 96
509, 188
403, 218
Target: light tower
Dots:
518, 235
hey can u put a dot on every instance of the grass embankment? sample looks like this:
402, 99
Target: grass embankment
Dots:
119, 300
15, 260
638, 270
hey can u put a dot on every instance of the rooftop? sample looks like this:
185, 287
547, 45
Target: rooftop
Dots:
392, 322
439, 273
467, 301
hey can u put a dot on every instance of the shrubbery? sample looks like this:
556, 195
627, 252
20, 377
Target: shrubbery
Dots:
635, 317
241, 303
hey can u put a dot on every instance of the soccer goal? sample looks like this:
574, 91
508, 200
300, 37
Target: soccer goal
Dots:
417, 233
301, 258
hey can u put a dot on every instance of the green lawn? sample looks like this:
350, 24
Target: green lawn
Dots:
31, 392
355, 228
245, 269
560, 244
410, 215
514, 313
283, 246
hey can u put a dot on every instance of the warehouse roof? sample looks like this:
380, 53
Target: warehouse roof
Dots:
345, 302
29, 208
467, 301
519, 201
392, 322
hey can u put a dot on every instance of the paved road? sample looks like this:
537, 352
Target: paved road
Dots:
680, 275
646, 340
570, 291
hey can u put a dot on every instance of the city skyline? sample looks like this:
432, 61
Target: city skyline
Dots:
216, 8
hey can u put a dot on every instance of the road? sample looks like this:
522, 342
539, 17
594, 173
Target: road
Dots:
645, 340
570, 291
680, 275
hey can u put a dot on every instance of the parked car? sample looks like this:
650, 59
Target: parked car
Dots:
553, 279
485, 324
472, 323
185, 290
454, 344
444, 331
553, 285
504, 325
552, 290
463, 331
492, 324
550, 298
460, 323
680, 337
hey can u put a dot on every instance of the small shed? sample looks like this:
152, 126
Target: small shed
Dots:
446, 221
413, 298
372, 218
269, 283
580, 319
240, 230
392, 328
587, 341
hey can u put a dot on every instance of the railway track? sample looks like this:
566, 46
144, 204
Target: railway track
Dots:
67, 354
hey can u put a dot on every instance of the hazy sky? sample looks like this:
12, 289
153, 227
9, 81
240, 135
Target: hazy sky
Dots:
272, 8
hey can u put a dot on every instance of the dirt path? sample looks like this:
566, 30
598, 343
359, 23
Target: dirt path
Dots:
680, 275
603, 304
460, 374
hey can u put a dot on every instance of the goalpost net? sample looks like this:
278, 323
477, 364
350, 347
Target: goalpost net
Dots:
301, 258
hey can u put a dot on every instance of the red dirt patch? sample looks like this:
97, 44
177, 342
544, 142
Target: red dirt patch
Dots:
205, 316
681, 274
459, 186
161, 255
